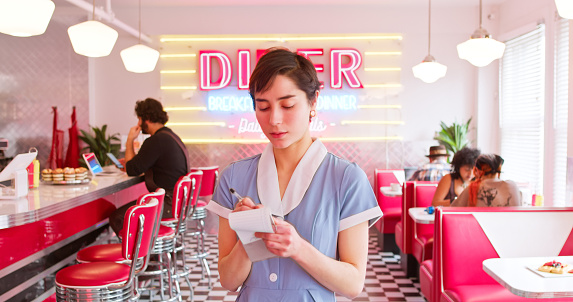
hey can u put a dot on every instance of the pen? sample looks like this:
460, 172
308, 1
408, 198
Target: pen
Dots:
239, 197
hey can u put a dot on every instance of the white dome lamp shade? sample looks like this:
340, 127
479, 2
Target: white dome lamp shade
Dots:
429, 70
25, 18
565, 8
481, 49
92, 38
139, 58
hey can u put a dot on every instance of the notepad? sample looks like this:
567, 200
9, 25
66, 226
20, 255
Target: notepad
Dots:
245, 224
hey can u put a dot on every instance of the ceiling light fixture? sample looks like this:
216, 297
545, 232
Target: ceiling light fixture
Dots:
565, 8
92, 38
25, 18
481, 49
139, 58
429, 70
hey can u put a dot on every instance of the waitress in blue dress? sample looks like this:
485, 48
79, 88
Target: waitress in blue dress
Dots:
326, 203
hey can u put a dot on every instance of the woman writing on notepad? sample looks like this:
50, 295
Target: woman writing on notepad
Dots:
326, 202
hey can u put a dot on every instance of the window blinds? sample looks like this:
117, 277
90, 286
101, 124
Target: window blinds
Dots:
560, 109
522, 95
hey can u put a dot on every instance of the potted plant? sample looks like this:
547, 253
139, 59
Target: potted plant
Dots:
454, 136
100, 143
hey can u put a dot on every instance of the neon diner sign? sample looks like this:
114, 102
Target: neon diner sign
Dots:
340, 69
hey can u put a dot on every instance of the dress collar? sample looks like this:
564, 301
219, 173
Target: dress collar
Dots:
268, 181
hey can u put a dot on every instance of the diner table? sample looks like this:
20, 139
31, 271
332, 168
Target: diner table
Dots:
387, 191
518, 276
420, 215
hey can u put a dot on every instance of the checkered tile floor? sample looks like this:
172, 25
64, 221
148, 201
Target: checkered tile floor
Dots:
385, 281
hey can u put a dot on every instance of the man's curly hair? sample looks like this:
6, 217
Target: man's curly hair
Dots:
151, 110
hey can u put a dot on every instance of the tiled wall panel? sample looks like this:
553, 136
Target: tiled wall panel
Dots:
37, 73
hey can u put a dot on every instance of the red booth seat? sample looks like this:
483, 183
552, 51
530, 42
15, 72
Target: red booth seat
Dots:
411, 237
465, 237
426, 279
390, 206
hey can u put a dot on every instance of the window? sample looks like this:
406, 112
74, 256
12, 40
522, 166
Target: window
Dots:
560, 109
522, 99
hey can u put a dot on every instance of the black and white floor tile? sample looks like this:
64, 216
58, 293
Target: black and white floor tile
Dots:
385, 281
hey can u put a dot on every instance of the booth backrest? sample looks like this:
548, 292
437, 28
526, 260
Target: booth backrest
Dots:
383, 178
390, 206
415, 194
465, 237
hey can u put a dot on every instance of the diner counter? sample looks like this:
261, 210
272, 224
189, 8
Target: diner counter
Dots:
48, 199
40, 233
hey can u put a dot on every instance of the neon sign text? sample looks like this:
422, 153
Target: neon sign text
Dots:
339, 71
246, 126
234, 103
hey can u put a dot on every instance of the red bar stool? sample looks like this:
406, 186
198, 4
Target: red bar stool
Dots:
198, 215
164, 243
113, 252
164, 248
111, 281
179, 224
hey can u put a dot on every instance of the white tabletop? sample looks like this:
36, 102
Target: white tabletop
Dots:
514, 275
421, 216
387, 191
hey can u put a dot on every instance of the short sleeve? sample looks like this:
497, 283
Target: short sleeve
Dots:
358, 200
222, 202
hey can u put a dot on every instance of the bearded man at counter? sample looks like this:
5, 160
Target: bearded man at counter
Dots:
162, 157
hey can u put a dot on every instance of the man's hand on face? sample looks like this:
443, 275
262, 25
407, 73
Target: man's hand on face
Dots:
133, 133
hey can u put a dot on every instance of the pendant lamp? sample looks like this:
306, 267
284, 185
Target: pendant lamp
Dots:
92, 38
139, 58
565, 8
481, 49
429, 70
25, 18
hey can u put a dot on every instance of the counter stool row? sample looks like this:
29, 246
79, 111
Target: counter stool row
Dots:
167, 240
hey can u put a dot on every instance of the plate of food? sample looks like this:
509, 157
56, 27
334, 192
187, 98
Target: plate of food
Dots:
66, 176
552, 269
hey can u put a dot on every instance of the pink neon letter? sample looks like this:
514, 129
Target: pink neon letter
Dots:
244, 62
306, 52
337, 69
225, 70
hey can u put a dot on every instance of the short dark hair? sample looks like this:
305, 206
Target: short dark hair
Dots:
464, 157
151, 110
280, 61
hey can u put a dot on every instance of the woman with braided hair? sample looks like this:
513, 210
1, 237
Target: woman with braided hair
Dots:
488, 190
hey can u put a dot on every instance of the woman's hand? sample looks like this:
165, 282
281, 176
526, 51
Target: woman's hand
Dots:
246, 204
285, 241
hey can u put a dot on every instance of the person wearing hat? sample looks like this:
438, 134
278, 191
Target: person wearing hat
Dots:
436, 168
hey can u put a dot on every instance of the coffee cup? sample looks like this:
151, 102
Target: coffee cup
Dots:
395, 187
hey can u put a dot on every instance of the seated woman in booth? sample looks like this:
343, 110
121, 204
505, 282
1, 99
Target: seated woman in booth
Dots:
452, 185
488, 190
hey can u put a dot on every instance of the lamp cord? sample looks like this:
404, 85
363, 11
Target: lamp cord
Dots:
480, 13
429, 23
139, 21
94, 10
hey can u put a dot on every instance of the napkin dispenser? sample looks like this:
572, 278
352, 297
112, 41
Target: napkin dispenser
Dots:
17, 174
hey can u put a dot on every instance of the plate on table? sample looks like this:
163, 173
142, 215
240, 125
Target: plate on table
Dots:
68, 182
534, 268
